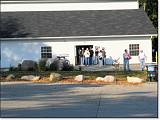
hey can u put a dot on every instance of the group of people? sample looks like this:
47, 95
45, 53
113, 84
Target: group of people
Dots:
89, 57
126, 57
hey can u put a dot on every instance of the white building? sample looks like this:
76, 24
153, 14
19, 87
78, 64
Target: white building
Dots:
36, 29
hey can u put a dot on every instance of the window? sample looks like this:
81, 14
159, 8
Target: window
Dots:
134, 49
46, 52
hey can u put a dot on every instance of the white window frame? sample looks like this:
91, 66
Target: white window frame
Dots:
46, 51
134, 49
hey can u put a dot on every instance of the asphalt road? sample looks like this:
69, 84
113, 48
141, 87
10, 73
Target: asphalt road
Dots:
78, 100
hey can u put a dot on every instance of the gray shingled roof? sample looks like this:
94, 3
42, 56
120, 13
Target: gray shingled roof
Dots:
75, 23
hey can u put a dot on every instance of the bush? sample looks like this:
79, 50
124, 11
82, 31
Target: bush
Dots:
57, 65
42, 65
61, 65
10, 68
28, 65
19, 67
13, 68
68, 68
53, 66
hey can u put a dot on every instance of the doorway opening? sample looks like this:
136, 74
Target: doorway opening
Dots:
79, 47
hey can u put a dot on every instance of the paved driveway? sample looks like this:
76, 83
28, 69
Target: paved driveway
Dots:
72, 100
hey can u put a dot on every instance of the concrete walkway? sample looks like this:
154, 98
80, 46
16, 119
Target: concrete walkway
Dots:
106, 68
78, 100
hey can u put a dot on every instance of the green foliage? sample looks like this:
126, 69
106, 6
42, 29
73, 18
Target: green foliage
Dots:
68, 68
53, 66
42, 65
19, 67
10, 68
151, 8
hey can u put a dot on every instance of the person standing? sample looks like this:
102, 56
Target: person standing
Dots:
91, 56
86, 55
142, 58
81, 54
96, 56
100, 58
126, 58
104, 56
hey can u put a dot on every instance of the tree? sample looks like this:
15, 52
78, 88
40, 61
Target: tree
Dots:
151, 8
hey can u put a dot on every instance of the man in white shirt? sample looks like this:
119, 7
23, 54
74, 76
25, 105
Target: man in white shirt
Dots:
142, 58
100, 58
86, 55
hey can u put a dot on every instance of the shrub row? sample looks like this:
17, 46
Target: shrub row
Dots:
41, 65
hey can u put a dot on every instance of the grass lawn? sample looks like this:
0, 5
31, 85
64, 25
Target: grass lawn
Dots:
89, 75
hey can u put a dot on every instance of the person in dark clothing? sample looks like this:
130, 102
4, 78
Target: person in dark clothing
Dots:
81, 54
96, 56
104, 56
91, 56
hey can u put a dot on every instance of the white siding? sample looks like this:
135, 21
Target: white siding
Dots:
68, 6
12, 52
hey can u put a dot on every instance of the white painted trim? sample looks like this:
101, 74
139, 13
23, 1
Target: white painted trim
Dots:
50, 1
109, 36
68, 6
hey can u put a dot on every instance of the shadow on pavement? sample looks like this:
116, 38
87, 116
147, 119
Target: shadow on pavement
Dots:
67, 101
